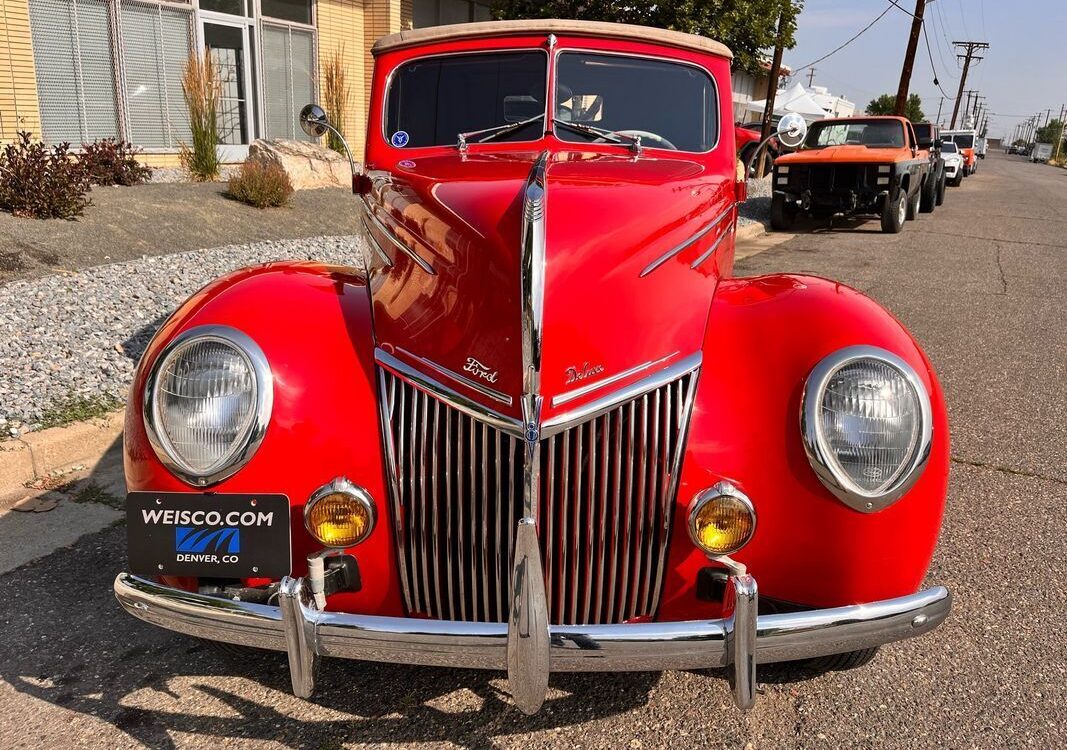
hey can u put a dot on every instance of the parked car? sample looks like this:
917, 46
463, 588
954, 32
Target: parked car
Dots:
965, 140
981, 148
747, 137
1042, 152
929, 138
853, 166
950, 152
508, 442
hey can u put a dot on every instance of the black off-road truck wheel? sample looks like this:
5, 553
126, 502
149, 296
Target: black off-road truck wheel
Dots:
894, 212
913, 205
941, 188
783, 215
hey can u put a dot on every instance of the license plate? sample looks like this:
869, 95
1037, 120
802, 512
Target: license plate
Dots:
215, 536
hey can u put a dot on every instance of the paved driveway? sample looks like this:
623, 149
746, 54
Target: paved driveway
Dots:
981, 283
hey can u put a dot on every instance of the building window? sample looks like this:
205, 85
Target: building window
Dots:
439, 12
288, 78
297, 11
75, 69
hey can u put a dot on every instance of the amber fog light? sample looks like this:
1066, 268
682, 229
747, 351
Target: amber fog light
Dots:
339, 514
721, 520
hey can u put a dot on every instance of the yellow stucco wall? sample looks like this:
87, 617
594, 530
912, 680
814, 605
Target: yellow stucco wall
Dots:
18, 82
341, 30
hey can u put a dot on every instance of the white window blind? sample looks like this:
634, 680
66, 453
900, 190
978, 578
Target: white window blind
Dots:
288, 83
75, 70
155, 45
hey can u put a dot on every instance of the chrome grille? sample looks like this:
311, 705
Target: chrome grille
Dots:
604, 514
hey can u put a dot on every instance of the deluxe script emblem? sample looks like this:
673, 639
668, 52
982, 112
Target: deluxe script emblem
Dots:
478, 370
578, 374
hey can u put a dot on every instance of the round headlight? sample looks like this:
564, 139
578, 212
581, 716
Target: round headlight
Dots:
207, 403
867, 426
721, 520
339, 514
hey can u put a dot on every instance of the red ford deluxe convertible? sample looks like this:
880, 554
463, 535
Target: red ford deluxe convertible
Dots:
542, 428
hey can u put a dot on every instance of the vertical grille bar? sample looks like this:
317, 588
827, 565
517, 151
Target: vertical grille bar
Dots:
607, 498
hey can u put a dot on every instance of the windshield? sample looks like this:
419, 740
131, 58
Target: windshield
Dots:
431, 101
949, 148
668, 105
963, 140
870, 133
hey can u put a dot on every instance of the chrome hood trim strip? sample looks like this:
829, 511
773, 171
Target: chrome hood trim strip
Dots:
395, 241
605, 403
686, 243
462, 379
564, 398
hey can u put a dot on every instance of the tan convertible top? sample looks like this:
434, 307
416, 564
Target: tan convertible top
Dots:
604, 29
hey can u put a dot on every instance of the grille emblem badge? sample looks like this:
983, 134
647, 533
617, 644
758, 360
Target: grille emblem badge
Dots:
478, 370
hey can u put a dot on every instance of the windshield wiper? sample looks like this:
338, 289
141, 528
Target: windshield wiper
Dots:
488, 134
634, 142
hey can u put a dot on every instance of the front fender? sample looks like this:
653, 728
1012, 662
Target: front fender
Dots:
313, 324
764, 336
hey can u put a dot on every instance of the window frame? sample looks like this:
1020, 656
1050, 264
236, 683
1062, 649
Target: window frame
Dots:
656, 58
384, 114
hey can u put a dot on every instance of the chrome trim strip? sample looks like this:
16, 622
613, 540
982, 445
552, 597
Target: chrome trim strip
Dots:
463, 380
686, 243
651, 646
395, 241
714, 246
819, 455
564, 398
605, 403
242, 453
451, 397
533, 274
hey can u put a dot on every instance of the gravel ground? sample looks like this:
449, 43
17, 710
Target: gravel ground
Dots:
79, 335
757, 209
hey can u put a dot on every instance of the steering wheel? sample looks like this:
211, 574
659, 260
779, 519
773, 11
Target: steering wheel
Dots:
658, 141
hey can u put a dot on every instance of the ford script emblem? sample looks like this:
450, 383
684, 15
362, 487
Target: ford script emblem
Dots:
478, 370
577, 374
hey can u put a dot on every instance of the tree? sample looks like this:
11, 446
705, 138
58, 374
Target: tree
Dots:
886, 104
1049, 133
747, 27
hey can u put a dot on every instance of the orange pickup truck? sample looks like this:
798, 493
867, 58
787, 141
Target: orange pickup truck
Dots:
853, 166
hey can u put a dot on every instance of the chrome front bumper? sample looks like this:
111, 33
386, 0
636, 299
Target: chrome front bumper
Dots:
527, 647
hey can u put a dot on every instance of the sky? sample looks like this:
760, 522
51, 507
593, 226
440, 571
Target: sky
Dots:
1024, 71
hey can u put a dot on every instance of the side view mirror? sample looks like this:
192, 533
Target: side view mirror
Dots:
315, 123
792, 130
313, 120
938, 142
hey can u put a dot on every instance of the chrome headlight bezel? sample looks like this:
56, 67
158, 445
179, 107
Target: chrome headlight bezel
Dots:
244, 448
820, 455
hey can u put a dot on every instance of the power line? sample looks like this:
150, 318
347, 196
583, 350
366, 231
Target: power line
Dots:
850, 41
932, 68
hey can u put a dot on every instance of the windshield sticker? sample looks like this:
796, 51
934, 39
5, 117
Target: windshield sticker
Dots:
399, 139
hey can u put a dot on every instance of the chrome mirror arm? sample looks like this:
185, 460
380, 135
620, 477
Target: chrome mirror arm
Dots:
348, 150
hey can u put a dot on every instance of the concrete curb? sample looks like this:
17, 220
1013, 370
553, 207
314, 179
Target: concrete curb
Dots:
36, 455
750, 232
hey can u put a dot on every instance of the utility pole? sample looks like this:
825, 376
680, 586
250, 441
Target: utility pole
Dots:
968, 57
811, 76
909, 57
1059, 141
939, 106
772, 88
967, 109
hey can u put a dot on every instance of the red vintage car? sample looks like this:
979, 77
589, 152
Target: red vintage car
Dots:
543, 429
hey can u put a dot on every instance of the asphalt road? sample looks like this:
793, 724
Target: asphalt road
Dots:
980, 282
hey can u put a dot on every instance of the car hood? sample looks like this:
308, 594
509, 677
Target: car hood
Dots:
844, 154
607, 217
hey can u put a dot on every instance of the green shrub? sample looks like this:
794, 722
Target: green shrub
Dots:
42, 182
112, 162
202, 89
261, 184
